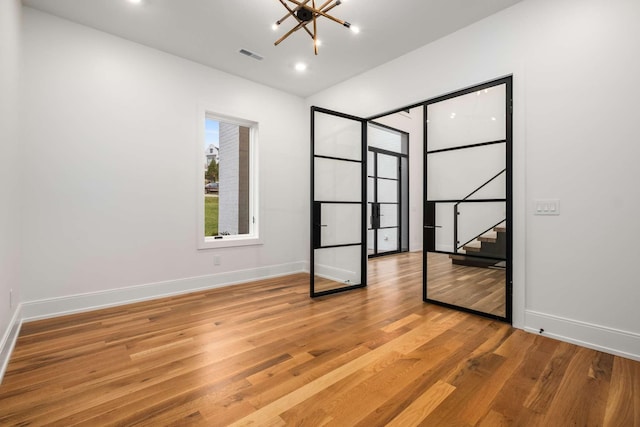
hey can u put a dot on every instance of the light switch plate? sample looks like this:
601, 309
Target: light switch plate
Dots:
546, 207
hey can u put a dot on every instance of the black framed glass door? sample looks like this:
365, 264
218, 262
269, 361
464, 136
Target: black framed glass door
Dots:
338, 202
467, 201
387, 190
384, 208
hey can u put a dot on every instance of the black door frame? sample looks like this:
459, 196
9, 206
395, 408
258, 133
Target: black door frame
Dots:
508, 81
428, 233
400, 212
314, 205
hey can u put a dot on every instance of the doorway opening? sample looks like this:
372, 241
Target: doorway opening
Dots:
387, 190
364, 202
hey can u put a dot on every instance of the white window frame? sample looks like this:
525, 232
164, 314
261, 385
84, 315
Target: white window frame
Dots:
253, 237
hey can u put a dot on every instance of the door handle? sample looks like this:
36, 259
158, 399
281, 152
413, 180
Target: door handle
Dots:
321, 225
432, 226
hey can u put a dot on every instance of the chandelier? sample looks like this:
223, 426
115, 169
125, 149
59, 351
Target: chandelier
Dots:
305, 12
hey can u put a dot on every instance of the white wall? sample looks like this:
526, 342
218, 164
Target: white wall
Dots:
576, 92
10, 171
110, 200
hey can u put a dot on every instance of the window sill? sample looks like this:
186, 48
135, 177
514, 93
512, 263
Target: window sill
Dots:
228, 242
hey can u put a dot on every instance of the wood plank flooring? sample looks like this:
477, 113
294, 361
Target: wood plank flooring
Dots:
265, 354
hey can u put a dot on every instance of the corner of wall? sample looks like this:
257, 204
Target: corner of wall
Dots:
10, 171
9, 340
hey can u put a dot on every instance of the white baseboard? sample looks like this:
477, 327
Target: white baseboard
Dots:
59, 306
336, 274
9, 340
601, 338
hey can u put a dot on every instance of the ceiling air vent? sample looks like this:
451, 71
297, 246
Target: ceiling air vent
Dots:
251, 54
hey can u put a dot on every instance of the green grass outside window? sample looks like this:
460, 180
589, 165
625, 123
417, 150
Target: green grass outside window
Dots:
210, 216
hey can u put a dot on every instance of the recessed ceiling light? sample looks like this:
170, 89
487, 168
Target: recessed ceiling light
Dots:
301, 66
135, 1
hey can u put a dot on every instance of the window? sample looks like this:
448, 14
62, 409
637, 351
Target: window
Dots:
228, 201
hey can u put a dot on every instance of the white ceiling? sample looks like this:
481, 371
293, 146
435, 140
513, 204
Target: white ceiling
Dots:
211, 32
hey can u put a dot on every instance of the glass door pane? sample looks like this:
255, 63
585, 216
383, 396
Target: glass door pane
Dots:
475, 117
387, 166
388, 197
388, 189
467, 200
339, 209
384, 193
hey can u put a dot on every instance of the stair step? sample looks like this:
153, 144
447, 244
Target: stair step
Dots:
490, 237
474, 246
477, 262
501, 228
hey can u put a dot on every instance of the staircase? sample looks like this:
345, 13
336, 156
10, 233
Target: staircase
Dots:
492, 243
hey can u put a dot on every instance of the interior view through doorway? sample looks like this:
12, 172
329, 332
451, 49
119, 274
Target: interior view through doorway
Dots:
387, 190
436, 182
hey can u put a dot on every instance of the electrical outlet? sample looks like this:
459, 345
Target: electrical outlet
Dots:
216, 260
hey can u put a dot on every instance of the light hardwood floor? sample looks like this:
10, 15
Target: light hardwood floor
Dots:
264, 353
